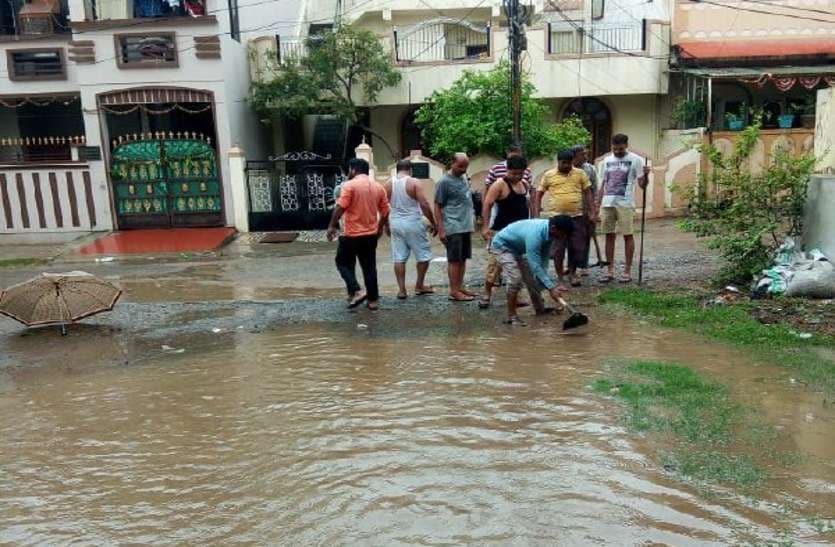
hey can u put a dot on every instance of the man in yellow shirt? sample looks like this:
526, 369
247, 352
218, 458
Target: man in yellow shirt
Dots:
566, 190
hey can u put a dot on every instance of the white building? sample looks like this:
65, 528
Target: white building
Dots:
120, 113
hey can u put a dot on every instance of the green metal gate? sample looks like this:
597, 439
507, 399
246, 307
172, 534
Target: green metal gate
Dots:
163, 183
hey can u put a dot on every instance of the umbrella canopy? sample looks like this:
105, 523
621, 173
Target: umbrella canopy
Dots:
58, 298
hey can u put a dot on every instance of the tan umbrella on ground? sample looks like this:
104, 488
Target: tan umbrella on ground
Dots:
58, 299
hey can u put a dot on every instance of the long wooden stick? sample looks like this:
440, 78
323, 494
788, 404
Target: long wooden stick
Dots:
643, 227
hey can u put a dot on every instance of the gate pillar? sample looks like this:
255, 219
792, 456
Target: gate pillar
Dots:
364, 151
237, 182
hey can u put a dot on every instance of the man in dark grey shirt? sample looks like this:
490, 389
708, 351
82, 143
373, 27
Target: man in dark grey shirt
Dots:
454, 208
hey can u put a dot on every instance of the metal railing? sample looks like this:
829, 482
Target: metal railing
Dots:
442, 41
568, 39
290, 48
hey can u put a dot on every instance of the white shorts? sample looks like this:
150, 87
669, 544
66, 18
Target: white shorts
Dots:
407, 237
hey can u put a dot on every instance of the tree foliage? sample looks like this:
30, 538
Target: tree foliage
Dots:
474, 115
326, 79
746, 215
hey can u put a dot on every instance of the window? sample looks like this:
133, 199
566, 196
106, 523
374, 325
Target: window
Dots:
146, 50
565, 39
36, 64
234, 20
40, 128
597, 7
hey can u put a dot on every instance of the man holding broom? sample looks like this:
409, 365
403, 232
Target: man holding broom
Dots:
523, 250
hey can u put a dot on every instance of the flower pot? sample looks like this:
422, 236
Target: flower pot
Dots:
735, 125
785, 121
807, 121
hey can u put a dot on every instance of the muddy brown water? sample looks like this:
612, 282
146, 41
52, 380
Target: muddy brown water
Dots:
375, 431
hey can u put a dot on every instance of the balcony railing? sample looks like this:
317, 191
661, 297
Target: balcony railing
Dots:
290, 48
441, 42
574, 39
104, 10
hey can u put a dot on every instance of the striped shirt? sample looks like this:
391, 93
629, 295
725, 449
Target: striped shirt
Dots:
500, 170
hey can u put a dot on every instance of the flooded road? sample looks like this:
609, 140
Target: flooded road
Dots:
388, 429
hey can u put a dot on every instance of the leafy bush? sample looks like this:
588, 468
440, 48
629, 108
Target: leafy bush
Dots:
474, 115
687, 114
746, 216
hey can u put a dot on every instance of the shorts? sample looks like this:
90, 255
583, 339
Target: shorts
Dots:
617, 220
407, 237
459, 247
494, 270
515, 271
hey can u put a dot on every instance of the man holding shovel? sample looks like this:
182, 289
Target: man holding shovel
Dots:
523, 251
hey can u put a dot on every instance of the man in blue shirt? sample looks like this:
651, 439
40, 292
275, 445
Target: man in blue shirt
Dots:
523, 250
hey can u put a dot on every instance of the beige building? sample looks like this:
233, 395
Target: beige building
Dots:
607, 64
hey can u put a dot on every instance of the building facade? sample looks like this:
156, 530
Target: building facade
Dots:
118, 114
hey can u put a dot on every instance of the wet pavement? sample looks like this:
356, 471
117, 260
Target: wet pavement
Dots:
233, 400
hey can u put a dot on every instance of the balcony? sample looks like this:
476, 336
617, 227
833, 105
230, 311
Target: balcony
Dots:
33, 20
575, 39
106, 10
441, 42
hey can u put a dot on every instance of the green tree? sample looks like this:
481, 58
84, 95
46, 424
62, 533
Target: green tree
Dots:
474, 115
747, 215
336, 69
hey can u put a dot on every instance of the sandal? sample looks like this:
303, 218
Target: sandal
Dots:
607, 279
465, 299
625, 279
402, 296
483, 303
515, 322
424, 291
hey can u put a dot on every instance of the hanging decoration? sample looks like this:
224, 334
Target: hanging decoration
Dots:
39, 101
152, 111
809, 82
784, 83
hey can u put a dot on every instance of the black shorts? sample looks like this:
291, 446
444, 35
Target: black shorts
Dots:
459, 247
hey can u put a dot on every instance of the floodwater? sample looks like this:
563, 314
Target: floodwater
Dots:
375, 430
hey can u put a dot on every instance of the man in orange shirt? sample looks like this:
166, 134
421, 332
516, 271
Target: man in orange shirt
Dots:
364, 205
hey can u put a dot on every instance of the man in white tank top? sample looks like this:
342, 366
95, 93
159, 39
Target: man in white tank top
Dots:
407, 229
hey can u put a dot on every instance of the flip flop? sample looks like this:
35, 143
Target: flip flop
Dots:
356, 301
467, 299
606, 280
402, 296
483, 304
625, 279
373, 306
425, 292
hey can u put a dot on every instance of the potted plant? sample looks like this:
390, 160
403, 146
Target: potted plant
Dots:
688, 113
735, 121
786, 121
806, 111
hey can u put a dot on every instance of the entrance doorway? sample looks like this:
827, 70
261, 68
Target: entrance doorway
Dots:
162, 158
596, 119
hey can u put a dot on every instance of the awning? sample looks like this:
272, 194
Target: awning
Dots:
736, 73
707, 51
156, 95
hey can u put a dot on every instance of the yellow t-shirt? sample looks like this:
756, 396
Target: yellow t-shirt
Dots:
563, 193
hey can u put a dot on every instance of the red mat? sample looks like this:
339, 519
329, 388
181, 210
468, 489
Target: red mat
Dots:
174, 240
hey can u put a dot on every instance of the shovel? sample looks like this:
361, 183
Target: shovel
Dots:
576, 319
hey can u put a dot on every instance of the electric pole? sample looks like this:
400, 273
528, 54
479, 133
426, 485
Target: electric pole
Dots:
517, 43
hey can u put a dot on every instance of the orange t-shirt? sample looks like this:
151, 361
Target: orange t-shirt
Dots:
363, 200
